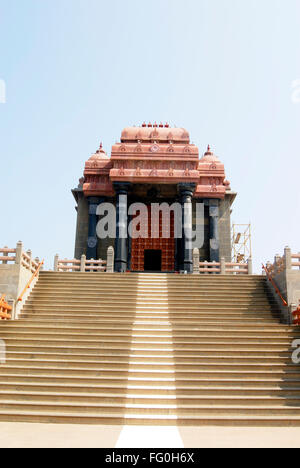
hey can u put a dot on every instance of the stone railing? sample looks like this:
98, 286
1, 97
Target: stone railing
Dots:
7, 255
285, 271
5, 309
220, 268
16, 269
18, 256
86, 266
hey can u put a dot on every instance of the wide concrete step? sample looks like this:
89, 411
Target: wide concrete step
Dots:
145, 365
158, 345
125, 352
171, 285
149, 400
141, 301
147, 277
158, 330
155, 337
196, 292
131, 286
49, 320
138, 279
116, 306
129, 290
79, 313
207, 382
102, 319
163, 286
231, 372
146, 292
147, 327
274, 391
151, 409
118, 419
165, 314
104, 357
200, 338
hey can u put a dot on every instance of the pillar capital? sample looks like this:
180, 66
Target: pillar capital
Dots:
186, 189
93, 204
93, 200
214, 211
122, 188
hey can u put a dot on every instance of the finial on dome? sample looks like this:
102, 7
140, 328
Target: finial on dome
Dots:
209, 151
100, 150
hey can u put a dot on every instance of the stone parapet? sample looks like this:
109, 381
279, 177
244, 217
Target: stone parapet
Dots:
16, 269
285, 272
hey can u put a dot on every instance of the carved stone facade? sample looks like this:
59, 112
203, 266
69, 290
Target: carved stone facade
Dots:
150, 164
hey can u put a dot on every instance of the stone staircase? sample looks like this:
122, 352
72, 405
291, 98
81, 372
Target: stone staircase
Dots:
149, 349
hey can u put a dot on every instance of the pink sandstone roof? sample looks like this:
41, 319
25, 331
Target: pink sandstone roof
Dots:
155, 154
157, 133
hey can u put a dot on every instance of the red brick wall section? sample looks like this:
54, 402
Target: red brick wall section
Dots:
167, 246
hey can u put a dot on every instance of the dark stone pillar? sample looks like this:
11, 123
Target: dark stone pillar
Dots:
82, 226
186, 255
92, 242
214, 244
122, 226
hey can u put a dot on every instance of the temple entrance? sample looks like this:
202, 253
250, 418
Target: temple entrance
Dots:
161, 256
152, 260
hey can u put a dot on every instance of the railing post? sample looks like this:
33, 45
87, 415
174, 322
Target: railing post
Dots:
12, 303
291, 309
5, 255
82, 263
110, 260
29, 253
223, 266
19, 251
56, 260
196, 261
250, 266
276, 261
287, 258
38, 261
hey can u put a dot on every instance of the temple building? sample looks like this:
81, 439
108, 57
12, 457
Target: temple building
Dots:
155, 164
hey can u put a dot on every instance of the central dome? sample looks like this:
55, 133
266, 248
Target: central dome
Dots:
159, 133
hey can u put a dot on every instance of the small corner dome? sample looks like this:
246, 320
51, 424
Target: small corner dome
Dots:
209, 156
100, 154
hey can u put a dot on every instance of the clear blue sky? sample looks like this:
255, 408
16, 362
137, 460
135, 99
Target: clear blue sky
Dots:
78, 71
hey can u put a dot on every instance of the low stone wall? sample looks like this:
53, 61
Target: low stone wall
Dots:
16, 270
84, 266
285, 272
220, 268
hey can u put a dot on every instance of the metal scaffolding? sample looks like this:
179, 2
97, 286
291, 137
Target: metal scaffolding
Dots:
241, 243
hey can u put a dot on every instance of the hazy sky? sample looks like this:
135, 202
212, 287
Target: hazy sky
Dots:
78, 71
